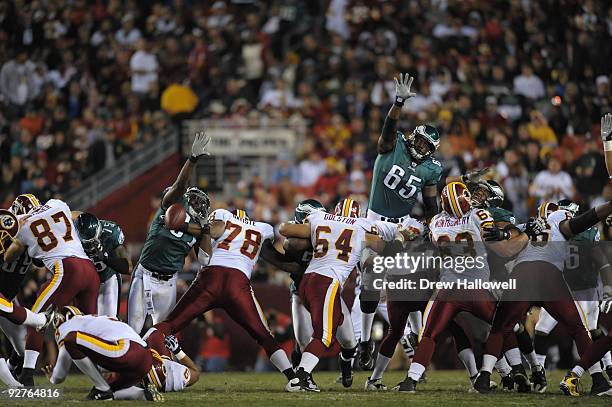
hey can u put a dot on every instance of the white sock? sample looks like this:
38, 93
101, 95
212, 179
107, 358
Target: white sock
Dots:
309, 362
503, 367
514, 356
416, 371
367, 320
5, 375
488, 362
469, 361
280, 360
541, 359
86, 366
607, 360
34, 319
379, 368
131, 393
532, 358
578, 371
29, 359
596, 368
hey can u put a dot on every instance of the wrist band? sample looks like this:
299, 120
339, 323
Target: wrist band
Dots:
607, 145
399, 101
193, 159
180, 355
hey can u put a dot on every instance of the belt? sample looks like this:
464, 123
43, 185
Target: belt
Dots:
392, 220
160, 276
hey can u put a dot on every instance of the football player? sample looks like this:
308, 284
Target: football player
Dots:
103, 243
153, 288
454, 231
538, 275
11, 279
301, 318
338, 242
581, 272
47, 233
606, 137
225, 283
404, 169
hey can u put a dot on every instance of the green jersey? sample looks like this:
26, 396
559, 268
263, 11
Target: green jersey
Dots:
581, 276
111, 236
501, 215
398, 179
164, 250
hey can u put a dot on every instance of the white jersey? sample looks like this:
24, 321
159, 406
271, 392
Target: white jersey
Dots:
338, 242
461, 233
554, 253
239, 245
388, 230
49, 233
177, 375
106, 328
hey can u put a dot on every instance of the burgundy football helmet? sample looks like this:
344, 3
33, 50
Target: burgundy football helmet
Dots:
24, 204
348, 208
456, 199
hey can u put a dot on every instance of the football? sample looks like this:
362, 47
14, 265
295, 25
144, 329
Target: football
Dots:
175, 216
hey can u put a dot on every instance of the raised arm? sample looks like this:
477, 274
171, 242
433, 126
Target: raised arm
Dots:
580, 223
387, 138
198, 149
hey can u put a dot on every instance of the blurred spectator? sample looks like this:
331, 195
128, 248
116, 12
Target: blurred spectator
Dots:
17, 80
127, 35
552, 184
143, 67
215, 348
528, 84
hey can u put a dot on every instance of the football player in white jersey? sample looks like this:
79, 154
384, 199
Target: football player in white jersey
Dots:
459, 232
225, 283
47, 233
338, 242
539, 280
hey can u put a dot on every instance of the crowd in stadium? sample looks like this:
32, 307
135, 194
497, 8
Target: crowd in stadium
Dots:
78, 89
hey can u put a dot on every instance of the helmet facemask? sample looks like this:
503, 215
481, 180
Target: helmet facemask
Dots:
198, 204
89, 230
421, 145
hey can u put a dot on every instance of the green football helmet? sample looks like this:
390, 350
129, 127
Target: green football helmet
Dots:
422, 142
487, 194
305, 208
89, 229
568, 205
198, 204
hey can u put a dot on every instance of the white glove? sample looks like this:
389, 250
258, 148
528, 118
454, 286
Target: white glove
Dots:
606, 126
402, 88
200, 145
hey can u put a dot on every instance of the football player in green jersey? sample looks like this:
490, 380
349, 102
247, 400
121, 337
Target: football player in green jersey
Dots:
153, 288
103, 243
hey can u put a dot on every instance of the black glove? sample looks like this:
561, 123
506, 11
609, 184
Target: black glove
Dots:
495, 234
172, 344
534, 227
95, 252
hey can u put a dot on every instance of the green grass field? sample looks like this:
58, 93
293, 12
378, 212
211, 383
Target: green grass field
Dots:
448, 388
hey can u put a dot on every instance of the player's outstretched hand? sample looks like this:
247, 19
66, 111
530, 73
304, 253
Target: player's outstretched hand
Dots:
495, 234
200, 144
172, 344
534, 227
475, 176
402, 87
48, 371
606, 126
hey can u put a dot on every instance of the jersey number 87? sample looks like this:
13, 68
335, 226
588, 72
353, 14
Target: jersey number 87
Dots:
44, 235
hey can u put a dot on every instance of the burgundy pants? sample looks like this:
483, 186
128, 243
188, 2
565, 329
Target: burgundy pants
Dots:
13, 312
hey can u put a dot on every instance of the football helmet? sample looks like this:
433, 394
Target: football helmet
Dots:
9, 227
487, 194
198, 204
64, 314
423, 141
89, 229
546, 208
157, 375
24, 204
348, 208
305, 208
456, 199
241, 214
567, 205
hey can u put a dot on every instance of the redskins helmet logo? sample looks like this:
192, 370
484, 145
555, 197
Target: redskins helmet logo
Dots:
8, 222
9, 227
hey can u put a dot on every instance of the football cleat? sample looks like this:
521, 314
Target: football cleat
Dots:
302, 382
294, 386
15, 364
600, 386
27, 377
570, 385
374, 385
538, 378
346, 370
507, 383
407, 386
523, 385
482, 384
609, 372
96, 394
408, 344
366, 355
